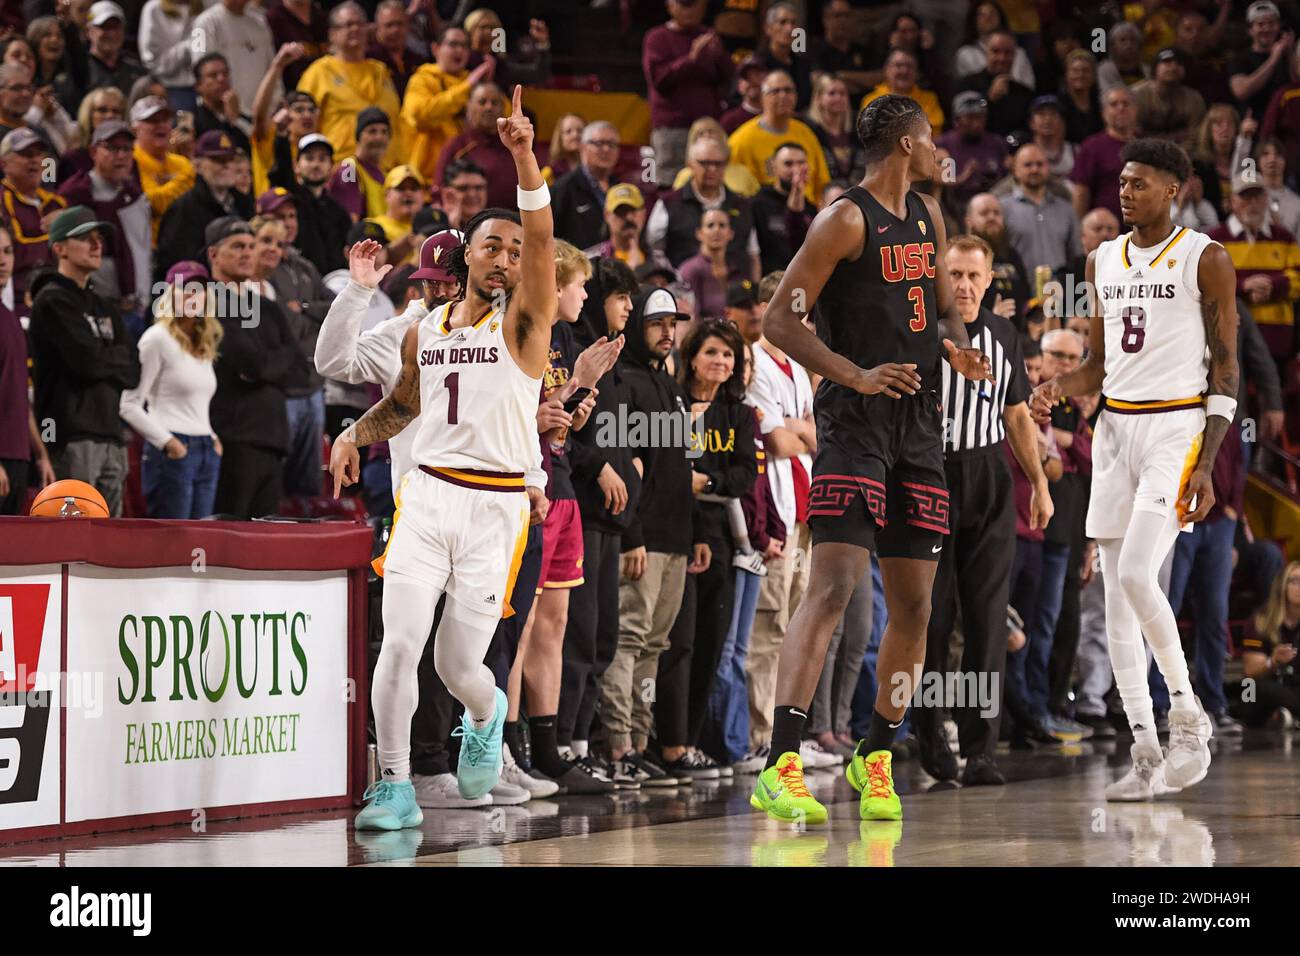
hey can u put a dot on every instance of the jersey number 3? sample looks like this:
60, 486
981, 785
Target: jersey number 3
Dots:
916, 295
1134, 318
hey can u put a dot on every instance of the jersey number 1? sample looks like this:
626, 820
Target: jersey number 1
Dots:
916, 295
1134, 318
452, 381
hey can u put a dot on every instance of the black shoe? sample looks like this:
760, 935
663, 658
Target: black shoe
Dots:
1037, 732
654, 775
614, 773
904, 749
1101, 727
657, 760
936, 759
581, 778
1226, 726
981, 771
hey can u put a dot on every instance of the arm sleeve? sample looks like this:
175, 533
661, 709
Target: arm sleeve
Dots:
656, 227
663, 73
161, 197
1257, 364
281, 172
425, 107
159, 59
345, 354
132, 406
775, 526
762, 398
1018, 389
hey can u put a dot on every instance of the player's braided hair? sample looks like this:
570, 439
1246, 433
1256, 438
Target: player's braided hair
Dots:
456, 263
1159, 154
883, 121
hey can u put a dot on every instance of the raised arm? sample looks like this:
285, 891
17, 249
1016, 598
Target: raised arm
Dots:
271, 85
386, 418
532, 308
1218, 281
1087, 378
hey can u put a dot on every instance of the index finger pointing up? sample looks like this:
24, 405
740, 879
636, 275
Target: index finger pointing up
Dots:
517, 103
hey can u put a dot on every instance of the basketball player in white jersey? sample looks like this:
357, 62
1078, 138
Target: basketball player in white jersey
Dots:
472, 372
1163, 350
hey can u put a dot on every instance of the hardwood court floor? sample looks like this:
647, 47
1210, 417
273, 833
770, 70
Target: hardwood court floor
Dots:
1051, 813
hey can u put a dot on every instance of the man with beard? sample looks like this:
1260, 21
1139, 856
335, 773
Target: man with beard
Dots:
782, 213
1041, 224
1008, 294
979, 157
404, 194
181, 233
625, 215
322, 223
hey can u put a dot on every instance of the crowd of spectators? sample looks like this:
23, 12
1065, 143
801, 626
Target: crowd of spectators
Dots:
183, 181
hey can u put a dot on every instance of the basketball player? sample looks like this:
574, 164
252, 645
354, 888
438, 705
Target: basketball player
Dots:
472, 371
1162, 296
872, 263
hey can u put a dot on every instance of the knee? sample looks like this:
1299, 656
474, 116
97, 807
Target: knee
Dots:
828, 597
910, 616
1135, 580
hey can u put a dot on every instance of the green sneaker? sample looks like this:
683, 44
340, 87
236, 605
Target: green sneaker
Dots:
873, 777
781, 793
391, 806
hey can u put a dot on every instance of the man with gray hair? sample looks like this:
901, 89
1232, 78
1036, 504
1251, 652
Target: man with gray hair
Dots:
687, 71
578, 200
786, 49
1123, 67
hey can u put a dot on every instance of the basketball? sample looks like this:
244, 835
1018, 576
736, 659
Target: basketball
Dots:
70, 498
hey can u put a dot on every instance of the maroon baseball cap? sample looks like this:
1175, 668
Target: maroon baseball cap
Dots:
273, 199
435, 252
187, 269
214, 144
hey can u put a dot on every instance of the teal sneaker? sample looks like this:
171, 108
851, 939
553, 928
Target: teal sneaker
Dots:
392, 806
480, 763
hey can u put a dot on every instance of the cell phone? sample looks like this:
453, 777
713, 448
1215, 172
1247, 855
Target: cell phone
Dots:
576, 399
185, 120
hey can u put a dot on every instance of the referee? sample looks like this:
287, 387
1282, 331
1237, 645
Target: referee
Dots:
975, 564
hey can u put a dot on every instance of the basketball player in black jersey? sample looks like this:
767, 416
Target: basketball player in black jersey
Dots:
886, 317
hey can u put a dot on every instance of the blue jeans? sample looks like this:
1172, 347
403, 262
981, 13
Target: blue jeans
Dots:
377, 483
1042, 626
1202, 559
729, 702
302, 466
864, 697
181, 487
1026, 575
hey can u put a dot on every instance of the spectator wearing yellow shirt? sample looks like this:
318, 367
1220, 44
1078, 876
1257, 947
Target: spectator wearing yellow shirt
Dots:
756, 140
165, 176
436, 97
358, 182
345, 82
404, 194
900, 78
297, 118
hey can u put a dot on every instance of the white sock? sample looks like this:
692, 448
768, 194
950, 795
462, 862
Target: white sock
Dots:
579, 748
1128, 657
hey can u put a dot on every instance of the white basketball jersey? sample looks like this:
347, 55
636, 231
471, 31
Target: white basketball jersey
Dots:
1155, 336
478, 409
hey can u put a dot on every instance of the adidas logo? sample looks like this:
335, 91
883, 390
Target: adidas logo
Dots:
1138, 274
491, 599
460, 337
1161, 502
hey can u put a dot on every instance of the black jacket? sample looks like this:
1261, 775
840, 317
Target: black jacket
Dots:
724, 435
579, 212
323, 224
82, 359
255, 362
596, 445
685, 210
180, 234
780, 231
667, 519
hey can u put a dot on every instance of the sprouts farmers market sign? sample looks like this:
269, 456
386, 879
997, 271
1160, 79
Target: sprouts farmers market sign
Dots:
221, 687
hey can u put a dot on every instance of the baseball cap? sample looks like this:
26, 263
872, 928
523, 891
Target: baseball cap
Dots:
214, 144
298, 96
969, 102
750, 63
1256, 11
648, 270
187, 269
20, 140
149, 107
1046, 102
273, 199
623, 194
400, 174
103, 11
434, 255
742, 294
1167, 54
430, 220
223, 228
1241, 183
76, 221
315, 139
658, 303
367, 229
371, 115
108, 129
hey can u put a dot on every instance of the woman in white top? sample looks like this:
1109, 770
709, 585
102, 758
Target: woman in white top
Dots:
167, 49
971, 58
182, 455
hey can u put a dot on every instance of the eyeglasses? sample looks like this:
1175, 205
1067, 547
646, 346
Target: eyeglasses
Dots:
1064, 356
603, 143
120, 150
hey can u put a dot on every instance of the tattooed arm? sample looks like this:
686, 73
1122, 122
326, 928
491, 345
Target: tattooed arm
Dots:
386, 418
1218, 281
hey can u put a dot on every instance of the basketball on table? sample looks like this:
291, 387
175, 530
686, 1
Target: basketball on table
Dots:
70, 498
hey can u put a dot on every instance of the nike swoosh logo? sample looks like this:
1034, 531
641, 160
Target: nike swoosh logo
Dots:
583, 208
936, 550
880, 229
771, 794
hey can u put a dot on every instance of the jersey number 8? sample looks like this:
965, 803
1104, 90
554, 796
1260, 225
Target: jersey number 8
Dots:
1135, 328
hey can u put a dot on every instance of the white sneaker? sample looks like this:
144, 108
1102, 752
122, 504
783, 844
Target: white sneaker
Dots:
812, 755
1187, 759
514, 775
1145, 779
506, 794
440, 792
754, 761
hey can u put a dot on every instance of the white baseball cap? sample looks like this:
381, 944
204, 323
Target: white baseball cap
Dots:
104, 10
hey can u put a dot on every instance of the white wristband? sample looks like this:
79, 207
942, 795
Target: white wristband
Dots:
1221, 405
530, 200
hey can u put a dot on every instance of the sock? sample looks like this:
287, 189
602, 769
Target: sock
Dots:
879, 736
579, 748
398, 772
787, 733
481, 722
546, 755
513, 739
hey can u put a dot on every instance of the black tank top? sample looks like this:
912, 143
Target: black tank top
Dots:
882, 306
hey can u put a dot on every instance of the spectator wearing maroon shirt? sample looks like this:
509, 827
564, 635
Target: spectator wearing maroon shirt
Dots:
1197, 40
481, 145
392, 24
749, 83
708, 273
687, 71
1282, 119
979, 157
298, 21
1097, 165
25, 207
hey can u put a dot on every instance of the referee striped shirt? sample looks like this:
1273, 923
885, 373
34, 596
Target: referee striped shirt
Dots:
972, 411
